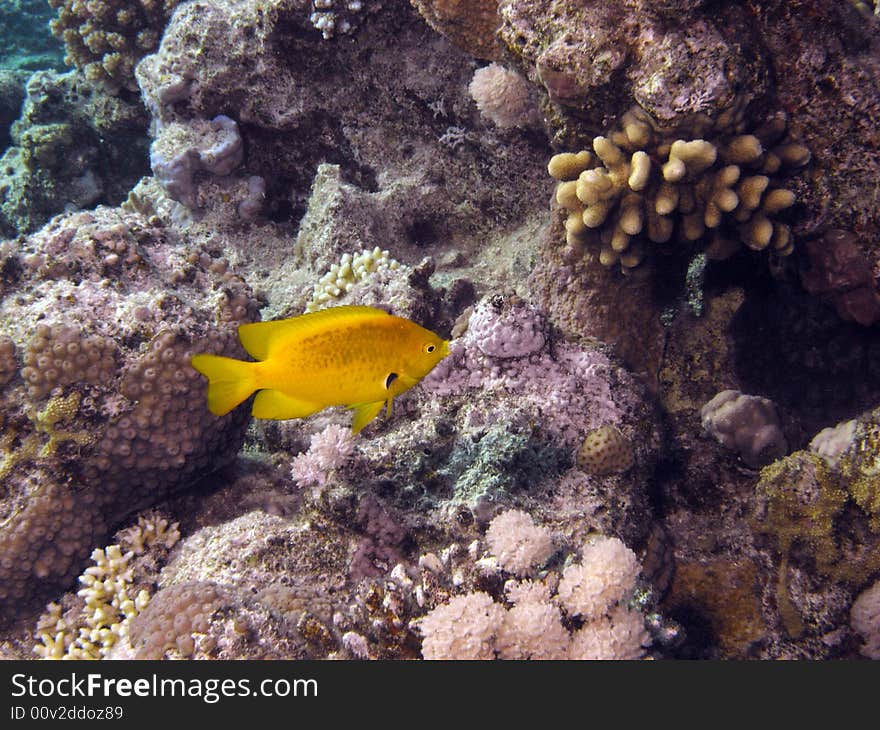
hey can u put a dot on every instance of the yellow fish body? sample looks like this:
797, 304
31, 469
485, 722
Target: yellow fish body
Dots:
358, 357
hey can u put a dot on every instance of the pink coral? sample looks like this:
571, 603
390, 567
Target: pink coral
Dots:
328, 450
502, 96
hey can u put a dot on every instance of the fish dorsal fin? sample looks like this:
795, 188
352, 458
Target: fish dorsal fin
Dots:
260, 337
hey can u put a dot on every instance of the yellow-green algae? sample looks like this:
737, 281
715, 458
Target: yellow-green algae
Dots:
830, 513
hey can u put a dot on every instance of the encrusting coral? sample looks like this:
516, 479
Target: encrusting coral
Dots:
643, 188
180, 151
802, 504
505, 348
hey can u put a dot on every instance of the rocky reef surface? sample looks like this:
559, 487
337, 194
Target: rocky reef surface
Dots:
649, 230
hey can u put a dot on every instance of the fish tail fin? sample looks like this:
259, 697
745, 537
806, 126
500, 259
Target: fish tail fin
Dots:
230, 382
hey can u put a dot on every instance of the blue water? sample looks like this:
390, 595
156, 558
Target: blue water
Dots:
26, 42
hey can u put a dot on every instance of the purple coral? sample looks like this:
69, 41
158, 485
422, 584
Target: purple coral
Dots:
748, 424
505, 348
179, 151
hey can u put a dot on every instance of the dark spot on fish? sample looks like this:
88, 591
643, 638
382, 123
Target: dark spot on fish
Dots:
390, 379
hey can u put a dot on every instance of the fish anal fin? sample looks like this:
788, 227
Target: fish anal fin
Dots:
364, 413
275, 405
259, 338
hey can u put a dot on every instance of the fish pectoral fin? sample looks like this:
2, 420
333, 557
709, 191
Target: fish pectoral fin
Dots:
279, 406
407, 381
364, 413
388, 409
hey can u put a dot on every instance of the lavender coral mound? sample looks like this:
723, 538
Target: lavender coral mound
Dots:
105, 414
180, 151
865, 620
748, 424
173, 617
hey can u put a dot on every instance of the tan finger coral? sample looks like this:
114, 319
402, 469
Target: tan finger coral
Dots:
642, 188
107, 38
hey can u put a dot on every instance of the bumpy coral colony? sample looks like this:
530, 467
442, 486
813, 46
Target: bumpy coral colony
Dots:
643, 188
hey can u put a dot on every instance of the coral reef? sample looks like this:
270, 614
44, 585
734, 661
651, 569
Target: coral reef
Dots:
594, 59
300, 118
105, 416
73, 146
549, 492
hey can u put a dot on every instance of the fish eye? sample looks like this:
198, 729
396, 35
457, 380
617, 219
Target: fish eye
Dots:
430, 348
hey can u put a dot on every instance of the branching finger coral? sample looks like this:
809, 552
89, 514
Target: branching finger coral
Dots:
643, 188
107, 38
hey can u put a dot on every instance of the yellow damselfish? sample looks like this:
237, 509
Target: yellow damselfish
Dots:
358, 357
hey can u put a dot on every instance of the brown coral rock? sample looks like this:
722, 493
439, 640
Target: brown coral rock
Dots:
469, 24
727, 593
839, 272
